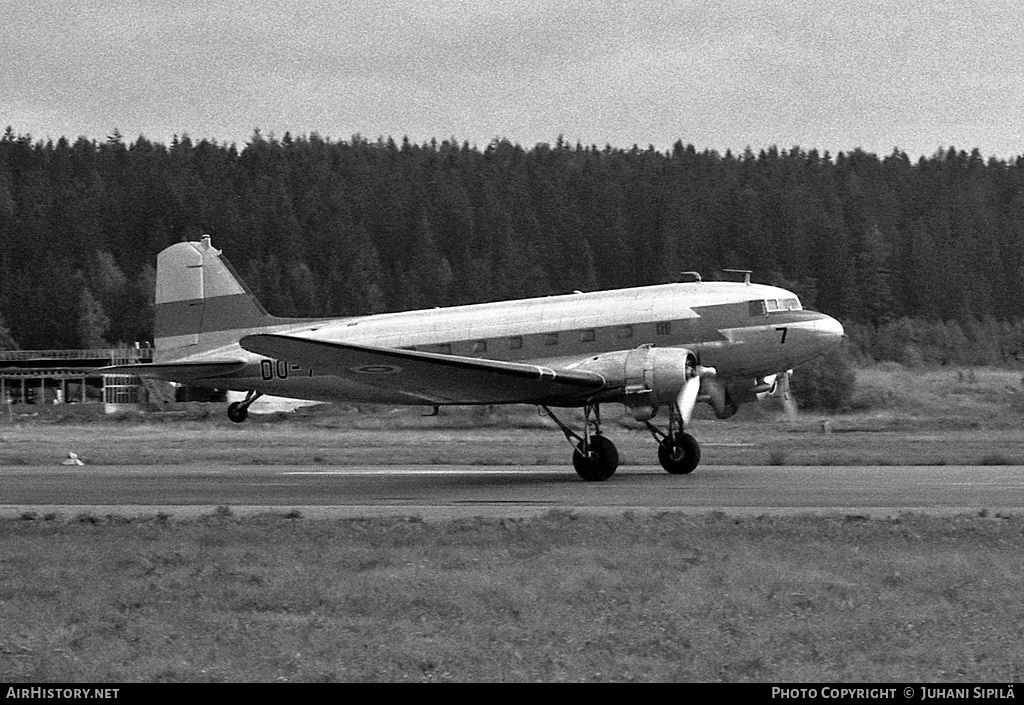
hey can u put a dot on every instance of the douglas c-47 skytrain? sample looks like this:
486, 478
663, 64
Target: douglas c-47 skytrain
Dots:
652, 348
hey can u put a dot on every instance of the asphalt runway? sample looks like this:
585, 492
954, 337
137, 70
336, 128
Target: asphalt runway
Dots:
438, 491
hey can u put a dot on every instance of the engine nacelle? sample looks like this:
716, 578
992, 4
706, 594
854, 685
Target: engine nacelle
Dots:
645, 377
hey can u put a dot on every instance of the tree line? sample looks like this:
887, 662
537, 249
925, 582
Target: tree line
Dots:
923, 261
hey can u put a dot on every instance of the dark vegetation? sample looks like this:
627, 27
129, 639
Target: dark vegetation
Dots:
922, 261
826, 383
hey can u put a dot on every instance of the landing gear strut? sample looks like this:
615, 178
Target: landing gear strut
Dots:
594, 457
239, 411
678, 451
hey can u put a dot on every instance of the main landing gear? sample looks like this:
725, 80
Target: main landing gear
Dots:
239, 411
678, 451
596, 458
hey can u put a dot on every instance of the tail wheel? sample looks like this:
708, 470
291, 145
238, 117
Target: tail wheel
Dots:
598, 462
680, 454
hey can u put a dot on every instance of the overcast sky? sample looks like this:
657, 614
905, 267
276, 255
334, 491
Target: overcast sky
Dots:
836, 75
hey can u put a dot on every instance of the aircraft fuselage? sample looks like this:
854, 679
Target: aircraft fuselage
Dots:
728, 325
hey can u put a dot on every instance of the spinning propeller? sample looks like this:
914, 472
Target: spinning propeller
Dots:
687, 398
780, 390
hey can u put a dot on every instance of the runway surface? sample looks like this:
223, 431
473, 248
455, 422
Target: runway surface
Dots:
437, 491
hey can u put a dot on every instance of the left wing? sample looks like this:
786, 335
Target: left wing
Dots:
436, 378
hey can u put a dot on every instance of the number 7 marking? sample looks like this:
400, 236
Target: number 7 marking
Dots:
784, 330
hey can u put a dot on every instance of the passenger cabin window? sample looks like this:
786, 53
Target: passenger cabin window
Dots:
515, 342
551, 338
757, 308
624, 332
663, 329
480, 346
588, 335
445, 348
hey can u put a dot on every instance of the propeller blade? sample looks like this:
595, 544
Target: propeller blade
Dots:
790, 407
687, 399
782, 390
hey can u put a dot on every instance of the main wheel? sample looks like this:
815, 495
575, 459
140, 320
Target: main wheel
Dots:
679, 455
237, 412
598, 462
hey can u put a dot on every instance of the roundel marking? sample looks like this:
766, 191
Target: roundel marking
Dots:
377, 369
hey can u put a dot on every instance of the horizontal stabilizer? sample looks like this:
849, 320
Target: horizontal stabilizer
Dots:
184, 371
432, 377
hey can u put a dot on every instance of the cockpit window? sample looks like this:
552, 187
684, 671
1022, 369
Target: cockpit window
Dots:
763, 308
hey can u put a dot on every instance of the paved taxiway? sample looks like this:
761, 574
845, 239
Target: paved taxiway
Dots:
444, 490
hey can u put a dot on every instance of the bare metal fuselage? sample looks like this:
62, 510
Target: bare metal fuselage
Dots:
725, 324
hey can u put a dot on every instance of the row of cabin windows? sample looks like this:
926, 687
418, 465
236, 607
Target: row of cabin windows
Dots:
515, 342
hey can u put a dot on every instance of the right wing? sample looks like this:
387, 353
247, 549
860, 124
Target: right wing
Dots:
436, 378
183, 371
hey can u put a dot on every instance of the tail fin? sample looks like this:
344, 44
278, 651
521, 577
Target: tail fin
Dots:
201, 303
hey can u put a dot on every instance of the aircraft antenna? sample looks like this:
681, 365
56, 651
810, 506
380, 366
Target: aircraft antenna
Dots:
745, 272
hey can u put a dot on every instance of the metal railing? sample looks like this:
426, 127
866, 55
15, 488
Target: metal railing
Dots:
114, 355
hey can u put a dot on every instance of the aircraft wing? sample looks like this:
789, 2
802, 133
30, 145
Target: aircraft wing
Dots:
182, 371
436, 378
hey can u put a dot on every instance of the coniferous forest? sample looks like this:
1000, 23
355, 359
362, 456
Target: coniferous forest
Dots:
923, 261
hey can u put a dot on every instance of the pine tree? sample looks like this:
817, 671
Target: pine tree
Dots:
7, 341
429, 272
93, 322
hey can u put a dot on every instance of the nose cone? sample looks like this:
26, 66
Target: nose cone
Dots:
829, 331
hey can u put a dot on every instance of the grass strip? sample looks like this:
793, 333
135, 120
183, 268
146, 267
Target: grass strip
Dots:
562, 597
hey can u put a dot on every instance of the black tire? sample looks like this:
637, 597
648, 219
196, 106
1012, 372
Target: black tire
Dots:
237, 412
679, 455
600, 463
